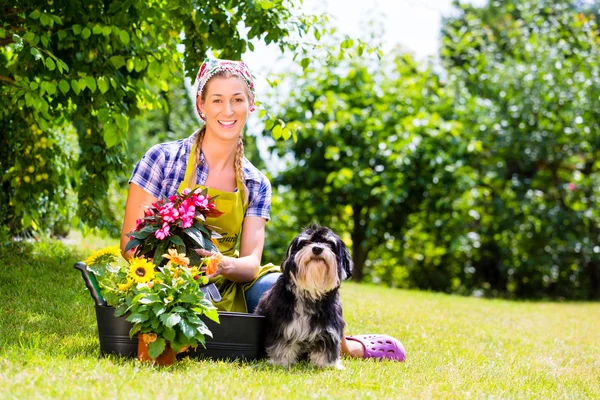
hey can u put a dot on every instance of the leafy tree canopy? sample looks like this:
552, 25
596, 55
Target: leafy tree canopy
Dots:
73, 74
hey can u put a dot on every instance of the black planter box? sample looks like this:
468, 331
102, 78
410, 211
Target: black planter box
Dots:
238, 336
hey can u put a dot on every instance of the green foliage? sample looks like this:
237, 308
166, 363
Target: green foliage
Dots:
163, 302
526, 76
91, 67
370, 137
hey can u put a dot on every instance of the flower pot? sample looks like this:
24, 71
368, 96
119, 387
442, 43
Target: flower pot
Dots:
167, 357
113, 333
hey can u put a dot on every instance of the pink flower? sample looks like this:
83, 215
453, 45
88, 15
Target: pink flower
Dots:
147, 212
186, 191
172, 198
200, 201
572, 186
139, 223
163, 232
168, 212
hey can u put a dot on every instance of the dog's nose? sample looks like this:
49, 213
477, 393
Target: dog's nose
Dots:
317, 250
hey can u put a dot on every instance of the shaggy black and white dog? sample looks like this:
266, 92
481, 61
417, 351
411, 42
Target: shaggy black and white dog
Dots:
303, 309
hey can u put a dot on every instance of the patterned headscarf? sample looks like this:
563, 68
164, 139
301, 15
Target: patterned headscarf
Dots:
237, 68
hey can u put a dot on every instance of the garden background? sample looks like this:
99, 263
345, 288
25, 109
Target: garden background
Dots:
473, 173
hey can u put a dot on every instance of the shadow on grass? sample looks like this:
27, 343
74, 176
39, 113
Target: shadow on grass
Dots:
44, 305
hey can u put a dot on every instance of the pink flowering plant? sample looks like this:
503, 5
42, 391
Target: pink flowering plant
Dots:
179, 222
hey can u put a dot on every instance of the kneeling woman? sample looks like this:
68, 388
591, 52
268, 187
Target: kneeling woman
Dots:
213, 157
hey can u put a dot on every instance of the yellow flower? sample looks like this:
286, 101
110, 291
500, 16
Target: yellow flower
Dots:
125, 286
141, 270
104, 256
177, 258
212, 264
180, 281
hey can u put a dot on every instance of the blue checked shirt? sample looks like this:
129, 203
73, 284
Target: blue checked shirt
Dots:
162, 168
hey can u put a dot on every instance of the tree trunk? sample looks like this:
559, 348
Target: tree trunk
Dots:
359, 252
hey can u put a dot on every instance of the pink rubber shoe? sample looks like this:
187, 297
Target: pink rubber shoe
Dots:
381, 347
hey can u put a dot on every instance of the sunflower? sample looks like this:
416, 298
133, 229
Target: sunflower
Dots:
141, 270
104, 256
177, 258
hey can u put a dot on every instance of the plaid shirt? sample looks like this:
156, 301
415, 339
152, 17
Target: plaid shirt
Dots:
162, 168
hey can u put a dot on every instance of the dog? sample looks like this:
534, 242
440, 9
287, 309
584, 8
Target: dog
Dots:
303, 311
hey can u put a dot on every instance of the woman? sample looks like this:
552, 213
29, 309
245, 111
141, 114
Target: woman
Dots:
213, 157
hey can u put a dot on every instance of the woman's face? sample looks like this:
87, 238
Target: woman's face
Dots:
225, 106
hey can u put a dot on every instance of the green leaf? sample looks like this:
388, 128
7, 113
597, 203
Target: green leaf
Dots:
76, 29
276, 133
91, 83
189, 298
305, 63
159, 309
36, 53
130, 65
106, 30
50, 64
178, 242
103, 84
50, 88
110, 135
212, 314
124, 36
86, 33
346, 44
57, 19
169, 334
46, 20
172, 320
63, 64
34, 14
156, 348
187, 329
117, 61
97, 30
61, 35
28, 37
137, 318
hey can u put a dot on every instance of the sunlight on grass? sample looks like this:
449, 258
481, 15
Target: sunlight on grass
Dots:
457, 347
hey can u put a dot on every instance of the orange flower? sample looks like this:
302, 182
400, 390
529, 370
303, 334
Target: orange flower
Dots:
149, 337
177, 258
213, 263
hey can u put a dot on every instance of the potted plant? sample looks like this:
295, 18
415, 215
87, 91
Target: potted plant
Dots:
164, 303
159, 288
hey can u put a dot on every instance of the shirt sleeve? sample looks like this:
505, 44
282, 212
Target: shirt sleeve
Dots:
259, 199
149, 171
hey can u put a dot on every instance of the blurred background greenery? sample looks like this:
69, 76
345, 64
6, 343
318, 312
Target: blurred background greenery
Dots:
477, 175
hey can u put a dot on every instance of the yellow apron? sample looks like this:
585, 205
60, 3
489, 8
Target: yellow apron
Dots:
232, 205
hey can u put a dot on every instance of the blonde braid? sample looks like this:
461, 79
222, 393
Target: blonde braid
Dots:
199, 139
239, 170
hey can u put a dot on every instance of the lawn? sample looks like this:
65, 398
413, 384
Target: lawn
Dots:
457, 347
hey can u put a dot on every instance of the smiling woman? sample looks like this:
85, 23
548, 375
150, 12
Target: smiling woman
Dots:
213, 158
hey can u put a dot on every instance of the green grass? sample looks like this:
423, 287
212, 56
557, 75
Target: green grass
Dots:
457, 347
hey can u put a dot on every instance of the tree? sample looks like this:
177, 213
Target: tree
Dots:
529, 73
368, 136
73, 74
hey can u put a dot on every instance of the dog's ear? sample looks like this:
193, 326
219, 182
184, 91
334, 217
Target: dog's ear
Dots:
345, 260
289, 264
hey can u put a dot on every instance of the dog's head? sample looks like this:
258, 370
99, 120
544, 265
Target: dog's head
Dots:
317, 261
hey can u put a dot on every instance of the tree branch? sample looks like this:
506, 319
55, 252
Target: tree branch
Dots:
7, 79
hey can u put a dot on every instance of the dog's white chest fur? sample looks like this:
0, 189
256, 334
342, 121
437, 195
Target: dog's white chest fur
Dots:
299, 329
